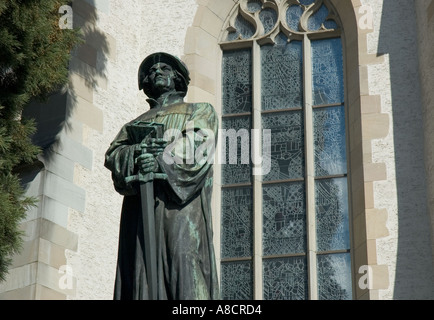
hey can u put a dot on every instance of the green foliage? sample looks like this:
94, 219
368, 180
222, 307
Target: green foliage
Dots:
34, 57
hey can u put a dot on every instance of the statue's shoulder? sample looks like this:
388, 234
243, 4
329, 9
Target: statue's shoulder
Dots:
202, 107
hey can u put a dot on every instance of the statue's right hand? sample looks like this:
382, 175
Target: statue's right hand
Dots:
147, 163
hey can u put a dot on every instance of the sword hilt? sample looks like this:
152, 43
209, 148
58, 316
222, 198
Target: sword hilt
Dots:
151, 176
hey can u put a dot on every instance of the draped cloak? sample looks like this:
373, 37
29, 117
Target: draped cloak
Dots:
185, 254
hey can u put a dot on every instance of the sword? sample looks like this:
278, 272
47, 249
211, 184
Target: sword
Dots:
146, 181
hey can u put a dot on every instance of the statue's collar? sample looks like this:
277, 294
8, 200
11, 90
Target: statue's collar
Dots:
166, 99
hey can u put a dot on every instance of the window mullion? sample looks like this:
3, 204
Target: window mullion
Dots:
257, 179
310, 170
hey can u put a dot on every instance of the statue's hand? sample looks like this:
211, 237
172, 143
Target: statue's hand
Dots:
147, 163
154, 146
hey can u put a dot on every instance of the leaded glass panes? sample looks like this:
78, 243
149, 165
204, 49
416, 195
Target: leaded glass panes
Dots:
316, 20
254, 5
244, 29
236, 146
282, 74
330, 24
289, 46
237, 81
334, 277
284, 219
287, 145
330, 141
306, 2
332, 214
285, 278
237, 280
268, 18
327, 71
293, 15
237, 222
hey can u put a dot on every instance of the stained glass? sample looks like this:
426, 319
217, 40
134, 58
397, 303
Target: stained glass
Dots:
317, 19
268, 18
254, 5
293, 15
307, 2
282, 74
244, 29
284, 219
284, 226
237, 280
285, 279
330, 24
330, 141
237, 224
236, 146
332, 225
334, 277
237, 81
327, 71
287, 145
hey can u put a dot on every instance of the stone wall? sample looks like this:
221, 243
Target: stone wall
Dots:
405, 247
425, 22
73, 233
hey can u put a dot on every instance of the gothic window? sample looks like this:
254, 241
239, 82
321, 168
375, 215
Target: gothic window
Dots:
285, 232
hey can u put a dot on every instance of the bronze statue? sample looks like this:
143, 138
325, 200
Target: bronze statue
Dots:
165, 241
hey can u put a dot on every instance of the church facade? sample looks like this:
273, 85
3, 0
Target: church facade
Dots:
341, 205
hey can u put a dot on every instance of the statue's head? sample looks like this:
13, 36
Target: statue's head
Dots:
162, 69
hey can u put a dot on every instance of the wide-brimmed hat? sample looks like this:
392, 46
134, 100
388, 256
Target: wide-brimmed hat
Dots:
171, 60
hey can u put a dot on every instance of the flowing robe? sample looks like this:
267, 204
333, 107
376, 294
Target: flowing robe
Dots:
185, 253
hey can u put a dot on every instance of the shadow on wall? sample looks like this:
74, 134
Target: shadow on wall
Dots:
88, 60
414, 277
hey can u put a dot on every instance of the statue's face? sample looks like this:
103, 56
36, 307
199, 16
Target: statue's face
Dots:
161, 76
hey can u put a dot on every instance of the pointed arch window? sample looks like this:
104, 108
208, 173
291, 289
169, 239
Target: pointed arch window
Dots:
285, 233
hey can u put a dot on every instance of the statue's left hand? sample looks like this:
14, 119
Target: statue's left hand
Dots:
154, 146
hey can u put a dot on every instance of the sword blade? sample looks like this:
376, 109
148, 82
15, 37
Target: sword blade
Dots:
148, 217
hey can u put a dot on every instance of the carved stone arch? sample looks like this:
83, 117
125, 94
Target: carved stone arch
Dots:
203, 54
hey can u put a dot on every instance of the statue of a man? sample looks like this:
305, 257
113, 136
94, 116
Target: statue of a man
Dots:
186, 266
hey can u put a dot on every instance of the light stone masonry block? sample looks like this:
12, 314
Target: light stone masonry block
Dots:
54, 211
28, 254
90, 115
25, 293
370, 104
197, 94
375, 126
75, 151
65, 192
376, 221
380, 277
51, 254
80, 88
60, 166
203, 82
87, 54
375, 172
201, 42
54, 279
20, 277
44, 293
208, 21
58, 235
221, 7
